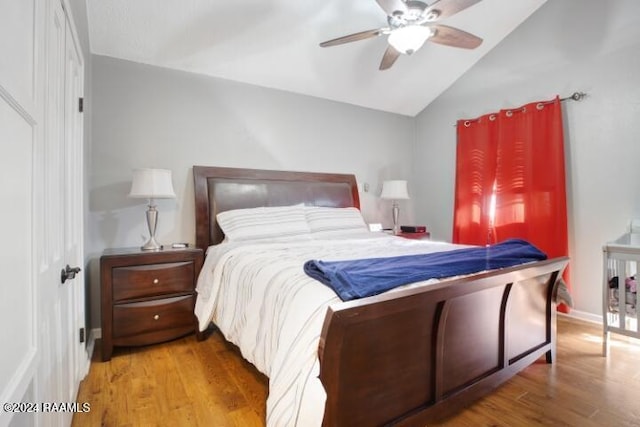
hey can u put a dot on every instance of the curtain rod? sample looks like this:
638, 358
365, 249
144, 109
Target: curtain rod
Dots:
575, 96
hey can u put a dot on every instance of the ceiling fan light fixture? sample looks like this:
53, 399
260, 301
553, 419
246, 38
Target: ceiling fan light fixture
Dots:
410, 38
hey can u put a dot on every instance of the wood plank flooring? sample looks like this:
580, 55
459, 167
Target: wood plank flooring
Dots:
190, 383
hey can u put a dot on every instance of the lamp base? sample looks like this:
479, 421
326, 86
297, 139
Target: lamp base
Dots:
151, 245
152, 221
395, 211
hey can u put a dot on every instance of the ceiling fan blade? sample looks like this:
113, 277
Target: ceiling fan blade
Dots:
389, 58
444, 8
450, 36
352, 37
391, 6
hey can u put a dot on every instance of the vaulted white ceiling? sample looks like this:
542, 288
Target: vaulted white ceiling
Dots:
274, 43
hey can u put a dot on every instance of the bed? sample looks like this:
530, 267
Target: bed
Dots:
404, 357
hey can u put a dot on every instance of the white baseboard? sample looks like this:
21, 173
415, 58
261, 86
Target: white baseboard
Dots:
583, 315
94, 334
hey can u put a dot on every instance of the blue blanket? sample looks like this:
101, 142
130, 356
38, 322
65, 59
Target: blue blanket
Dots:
365, 277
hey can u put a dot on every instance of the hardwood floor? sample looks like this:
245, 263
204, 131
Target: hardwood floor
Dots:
178, 383
190, 383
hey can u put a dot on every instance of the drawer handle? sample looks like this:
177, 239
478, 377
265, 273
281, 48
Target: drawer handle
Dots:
156, 281
156, 317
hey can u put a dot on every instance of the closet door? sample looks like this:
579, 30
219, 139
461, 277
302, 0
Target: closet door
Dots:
73, 209
58, 208
41, 223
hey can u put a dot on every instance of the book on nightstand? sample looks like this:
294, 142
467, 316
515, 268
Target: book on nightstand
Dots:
413, 228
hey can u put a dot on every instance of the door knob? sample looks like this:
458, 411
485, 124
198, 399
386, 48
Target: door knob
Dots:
68, 273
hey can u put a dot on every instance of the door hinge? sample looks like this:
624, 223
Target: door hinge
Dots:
81, 335
81, 104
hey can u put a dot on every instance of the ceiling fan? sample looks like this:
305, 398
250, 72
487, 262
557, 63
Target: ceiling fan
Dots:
411, 23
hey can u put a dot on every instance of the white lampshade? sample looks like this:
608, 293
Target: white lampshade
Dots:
394, 190
409, 39
152, 184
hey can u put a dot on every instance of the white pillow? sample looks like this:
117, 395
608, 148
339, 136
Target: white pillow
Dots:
264, 223
334, 221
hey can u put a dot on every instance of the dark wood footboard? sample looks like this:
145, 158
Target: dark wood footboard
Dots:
408, 357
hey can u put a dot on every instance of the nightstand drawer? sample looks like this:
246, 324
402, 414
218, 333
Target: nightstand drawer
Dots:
143, 281
152, 321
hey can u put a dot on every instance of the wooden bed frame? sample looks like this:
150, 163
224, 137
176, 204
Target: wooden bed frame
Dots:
412, 356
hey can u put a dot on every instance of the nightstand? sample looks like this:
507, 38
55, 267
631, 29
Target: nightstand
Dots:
147, 296
417, 236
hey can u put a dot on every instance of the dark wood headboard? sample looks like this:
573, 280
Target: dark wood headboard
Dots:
220, 189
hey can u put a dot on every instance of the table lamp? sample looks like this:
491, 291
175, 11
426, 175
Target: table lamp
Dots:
152, 184
394, 190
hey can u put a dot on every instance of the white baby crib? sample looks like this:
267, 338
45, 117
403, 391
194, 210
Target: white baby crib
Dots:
620, 285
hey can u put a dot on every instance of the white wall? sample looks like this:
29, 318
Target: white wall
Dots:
146, 116
143, 116
566, 46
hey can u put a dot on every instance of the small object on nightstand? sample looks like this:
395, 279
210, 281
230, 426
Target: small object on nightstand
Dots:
147, 296
413, 228
179, 245
417, 232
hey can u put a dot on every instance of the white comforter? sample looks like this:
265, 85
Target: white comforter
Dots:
259, 297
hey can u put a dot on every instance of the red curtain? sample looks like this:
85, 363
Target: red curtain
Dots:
510, 179
475, 175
